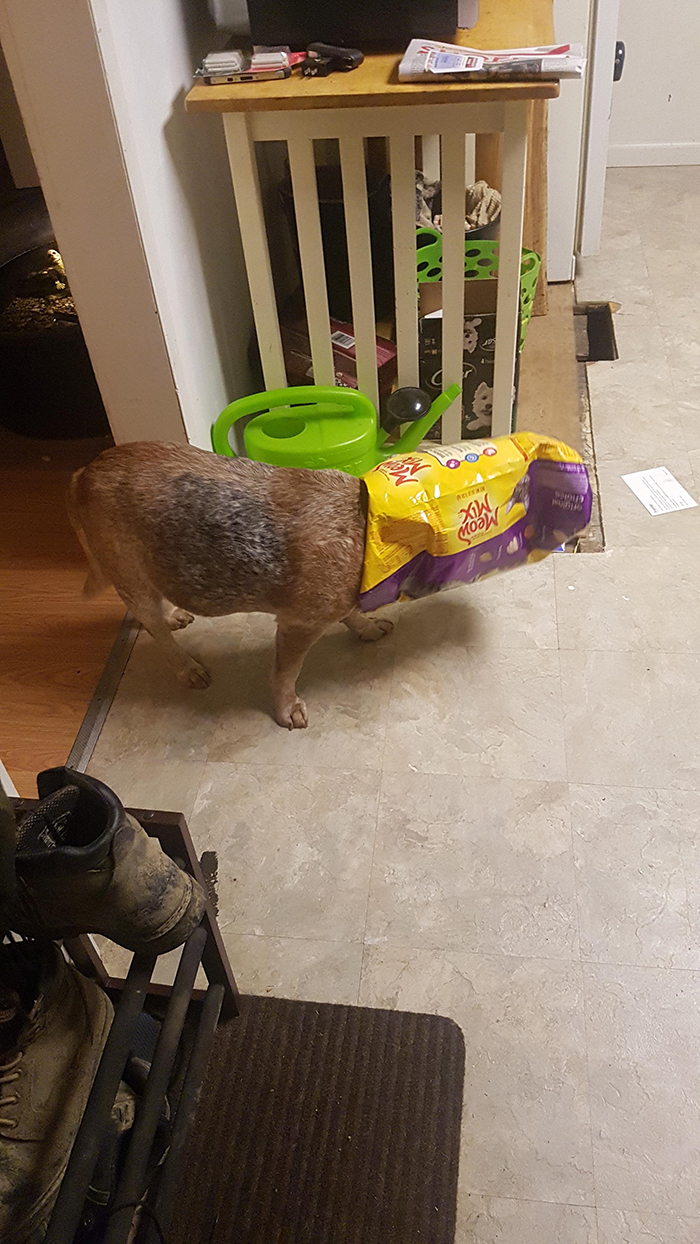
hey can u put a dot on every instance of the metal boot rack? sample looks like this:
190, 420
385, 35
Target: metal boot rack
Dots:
217, 1002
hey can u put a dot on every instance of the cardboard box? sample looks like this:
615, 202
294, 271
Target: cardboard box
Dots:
478, 356
297, 355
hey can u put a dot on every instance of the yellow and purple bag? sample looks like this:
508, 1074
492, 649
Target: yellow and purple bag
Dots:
457, 513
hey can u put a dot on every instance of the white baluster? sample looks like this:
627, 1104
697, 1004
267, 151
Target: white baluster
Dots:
303, 170
246, 186
403, 200
453, 204
352, 163
510, 258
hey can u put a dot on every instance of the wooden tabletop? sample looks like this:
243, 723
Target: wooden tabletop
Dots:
502, 24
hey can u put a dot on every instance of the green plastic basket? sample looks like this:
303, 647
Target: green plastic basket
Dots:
480, 260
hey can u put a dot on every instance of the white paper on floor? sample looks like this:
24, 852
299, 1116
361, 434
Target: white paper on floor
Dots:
659, 491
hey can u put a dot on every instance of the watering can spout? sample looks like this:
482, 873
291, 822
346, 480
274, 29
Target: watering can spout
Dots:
415, 432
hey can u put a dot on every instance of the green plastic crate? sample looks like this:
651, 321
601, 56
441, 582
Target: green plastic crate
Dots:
480, 260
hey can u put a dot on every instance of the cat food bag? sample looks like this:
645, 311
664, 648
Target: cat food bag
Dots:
453, 514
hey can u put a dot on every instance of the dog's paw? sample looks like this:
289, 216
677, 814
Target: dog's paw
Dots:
293, 715
195, 677
374, 629
179, 619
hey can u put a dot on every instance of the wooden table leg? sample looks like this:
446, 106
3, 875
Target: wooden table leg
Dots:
535, 224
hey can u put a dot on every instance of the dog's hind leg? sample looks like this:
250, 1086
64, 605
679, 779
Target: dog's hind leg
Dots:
291, 646
96, 581
149, 608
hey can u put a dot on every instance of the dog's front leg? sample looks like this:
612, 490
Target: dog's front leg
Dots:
366, 628
291, 646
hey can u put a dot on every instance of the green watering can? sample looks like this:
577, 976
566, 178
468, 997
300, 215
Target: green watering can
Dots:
316, 427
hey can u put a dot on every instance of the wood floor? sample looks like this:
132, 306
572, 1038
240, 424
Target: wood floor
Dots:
549, 399
53, 643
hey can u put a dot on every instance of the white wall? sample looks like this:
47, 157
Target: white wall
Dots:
178, 171
656, 105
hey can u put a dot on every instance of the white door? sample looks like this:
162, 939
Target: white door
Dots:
578, 136
599, 88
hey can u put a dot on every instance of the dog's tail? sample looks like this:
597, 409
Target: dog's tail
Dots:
96, 581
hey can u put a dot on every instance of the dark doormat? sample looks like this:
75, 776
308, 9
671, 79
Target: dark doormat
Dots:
323, 1124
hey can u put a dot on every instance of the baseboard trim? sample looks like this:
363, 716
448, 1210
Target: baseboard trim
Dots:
637, 155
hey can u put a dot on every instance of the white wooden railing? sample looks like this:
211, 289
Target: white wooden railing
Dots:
400, 126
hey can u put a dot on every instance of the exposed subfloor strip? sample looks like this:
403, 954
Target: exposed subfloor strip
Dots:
101, 702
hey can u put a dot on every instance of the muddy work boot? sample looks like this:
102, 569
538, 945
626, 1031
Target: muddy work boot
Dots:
51, 1039
85, 866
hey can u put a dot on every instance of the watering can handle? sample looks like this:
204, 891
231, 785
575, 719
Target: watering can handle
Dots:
260, 402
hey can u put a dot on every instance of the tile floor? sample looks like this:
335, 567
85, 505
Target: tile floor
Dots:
495, 814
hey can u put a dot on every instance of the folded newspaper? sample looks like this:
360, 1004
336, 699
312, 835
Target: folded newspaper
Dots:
425, 60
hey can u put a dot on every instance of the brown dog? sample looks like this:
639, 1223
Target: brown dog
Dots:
180, 531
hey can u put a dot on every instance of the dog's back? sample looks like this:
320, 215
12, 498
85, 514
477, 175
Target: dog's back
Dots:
216, 535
